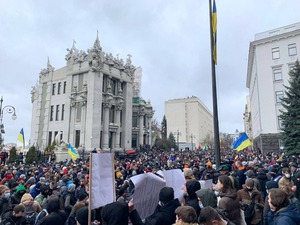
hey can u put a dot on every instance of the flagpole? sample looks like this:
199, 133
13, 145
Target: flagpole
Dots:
214, 92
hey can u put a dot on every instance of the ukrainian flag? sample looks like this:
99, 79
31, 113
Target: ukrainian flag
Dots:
72, 152
242, 142
21, 138
214, 30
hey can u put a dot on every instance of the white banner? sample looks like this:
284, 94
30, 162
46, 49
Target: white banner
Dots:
102, 180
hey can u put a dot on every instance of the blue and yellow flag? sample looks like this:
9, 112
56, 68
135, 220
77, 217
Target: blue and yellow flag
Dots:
21, 138
72, 152
214, 30
242, 142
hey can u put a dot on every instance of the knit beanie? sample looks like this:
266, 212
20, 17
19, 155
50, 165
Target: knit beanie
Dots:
166, 194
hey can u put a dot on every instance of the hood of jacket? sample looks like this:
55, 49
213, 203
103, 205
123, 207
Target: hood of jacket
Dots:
208, 197
21, 188
191, 187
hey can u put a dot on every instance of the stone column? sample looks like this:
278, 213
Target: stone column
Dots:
117, 136
105, 135
149, 130
141, 130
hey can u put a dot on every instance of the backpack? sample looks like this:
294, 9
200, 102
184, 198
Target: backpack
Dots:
249, 210
30, 214
40, 216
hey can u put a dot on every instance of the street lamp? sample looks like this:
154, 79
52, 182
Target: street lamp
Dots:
177, 134
9, 109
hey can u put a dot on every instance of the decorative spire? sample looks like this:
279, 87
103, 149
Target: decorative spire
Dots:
97, 43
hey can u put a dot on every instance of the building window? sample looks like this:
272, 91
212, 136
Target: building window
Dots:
53, 88
62, 112
58, 88
279, 96
134, 119
78, 113
134, 141
277, 74
113, 84
65, 86
55, 134
49, 138
77, 138
275, 53
280, 123
292, 49
57, 113
112, 114
51, 112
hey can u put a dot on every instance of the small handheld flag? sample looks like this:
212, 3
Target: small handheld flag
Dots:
21, 138
72, 152
242, 142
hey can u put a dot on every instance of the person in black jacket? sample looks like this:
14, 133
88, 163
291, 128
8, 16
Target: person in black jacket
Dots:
15, 217
164, 213
192, 200
56, 215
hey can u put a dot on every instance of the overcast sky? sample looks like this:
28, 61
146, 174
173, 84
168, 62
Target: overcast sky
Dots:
169, 39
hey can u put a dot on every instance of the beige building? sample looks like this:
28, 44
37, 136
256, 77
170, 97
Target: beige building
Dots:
189, 120
271, 56
90, 102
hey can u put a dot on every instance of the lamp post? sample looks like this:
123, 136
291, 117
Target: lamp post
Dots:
9, 109
177, 135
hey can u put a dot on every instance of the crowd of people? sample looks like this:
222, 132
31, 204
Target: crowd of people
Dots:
247, 188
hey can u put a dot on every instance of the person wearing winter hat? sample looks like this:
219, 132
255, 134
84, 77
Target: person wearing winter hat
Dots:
245, 197
191, 199
16, 197
164, 212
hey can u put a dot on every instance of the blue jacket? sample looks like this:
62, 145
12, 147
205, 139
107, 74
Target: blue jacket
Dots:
289, 215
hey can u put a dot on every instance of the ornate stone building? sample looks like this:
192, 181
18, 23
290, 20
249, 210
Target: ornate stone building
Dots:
90, 102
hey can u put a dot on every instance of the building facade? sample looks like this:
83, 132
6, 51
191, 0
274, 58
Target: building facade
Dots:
89, 103
189, 120
271, 56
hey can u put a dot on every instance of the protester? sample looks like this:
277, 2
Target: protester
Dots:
115, 213
56, 215
15, 217
286, 179
248, 194
192, 186
282, 211
164, 213
229, 203
5, 202
209, 216
186, 215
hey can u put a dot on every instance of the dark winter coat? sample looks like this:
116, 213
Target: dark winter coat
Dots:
262, 178
10, 219
192, 200
163, 215
289, 215
244, 197
230, 206
57, 217
115, 213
